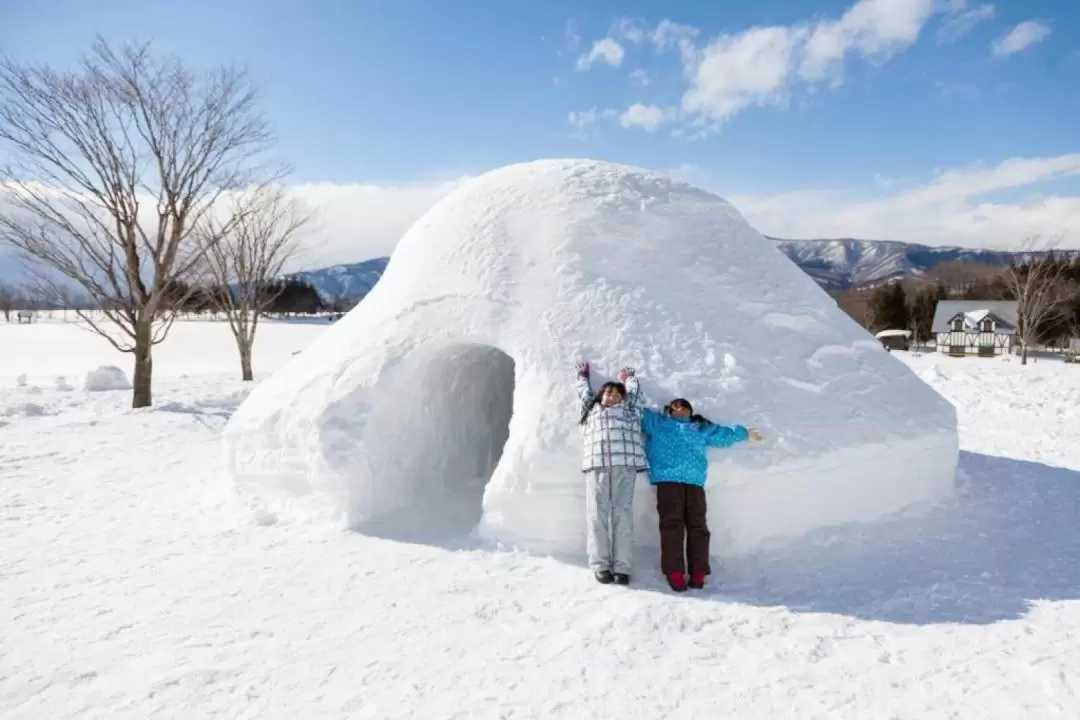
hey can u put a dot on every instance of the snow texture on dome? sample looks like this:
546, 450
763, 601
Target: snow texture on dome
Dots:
446, 393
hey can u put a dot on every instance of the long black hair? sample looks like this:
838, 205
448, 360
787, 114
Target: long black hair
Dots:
699, 420
595, 399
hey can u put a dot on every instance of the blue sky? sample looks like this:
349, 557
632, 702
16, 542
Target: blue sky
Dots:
817, 117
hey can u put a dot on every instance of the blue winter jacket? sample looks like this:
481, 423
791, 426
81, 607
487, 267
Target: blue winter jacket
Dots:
676, 447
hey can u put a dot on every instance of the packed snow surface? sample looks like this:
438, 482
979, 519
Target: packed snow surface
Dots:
106, 377
130, 587
450, 384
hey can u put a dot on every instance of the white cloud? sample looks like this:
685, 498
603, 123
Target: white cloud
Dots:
648, 117
604, 50
951, 209
735, 72
572, 36
961, 19
641, 77
761, 65
668, 35
352, 222
876, 29
582, 119
359, 221
1021, 37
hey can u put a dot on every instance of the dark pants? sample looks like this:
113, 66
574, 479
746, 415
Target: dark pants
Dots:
682, 526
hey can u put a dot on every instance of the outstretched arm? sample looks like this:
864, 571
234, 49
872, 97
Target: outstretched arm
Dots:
724, 436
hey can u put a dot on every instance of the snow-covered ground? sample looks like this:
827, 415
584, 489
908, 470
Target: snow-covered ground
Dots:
130, 585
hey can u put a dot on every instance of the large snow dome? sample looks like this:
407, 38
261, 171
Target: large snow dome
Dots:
445, 396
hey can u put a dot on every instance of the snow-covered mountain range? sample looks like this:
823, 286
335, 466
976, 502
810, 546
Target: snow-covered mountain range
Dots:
350, 280
834, 264
846, 262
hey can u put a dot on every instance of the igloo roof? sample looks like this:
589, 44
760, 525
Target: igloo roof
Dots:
552, 261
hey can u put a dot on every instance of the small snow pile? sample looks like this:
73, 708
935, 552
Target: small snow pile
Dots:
932, 373
458, 366
26, 409
62, 384
21, 380
105, 378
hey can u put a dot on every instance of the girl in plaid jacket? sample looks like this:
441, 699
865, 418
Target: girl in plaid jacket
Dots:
614, 455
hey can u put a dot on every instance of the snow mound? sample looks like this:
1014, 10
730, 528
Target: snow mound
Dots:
932, 373
449, 386
106, 377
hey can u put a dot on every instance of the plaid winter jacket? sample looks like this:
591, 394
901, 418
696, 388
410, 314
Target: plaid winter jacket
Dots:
612, 434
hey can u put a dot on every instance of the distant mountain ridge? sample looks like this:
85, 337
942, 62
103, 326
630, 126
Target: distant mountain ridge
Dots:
843, 263
835, 264
351, 280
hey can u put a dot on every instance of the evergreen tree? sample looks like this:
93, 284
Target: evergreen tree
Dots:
922, 312
293, 295
889, 308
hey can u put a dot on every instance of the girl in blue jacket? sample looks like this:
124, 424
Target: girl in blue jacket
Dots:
675, 447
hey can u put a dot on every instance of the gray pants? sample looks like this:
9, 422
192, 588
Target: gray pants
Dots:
609, 518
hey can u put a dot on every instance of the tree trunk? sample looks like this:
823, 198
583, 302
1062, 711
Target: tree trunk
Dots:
1023, 353
141, 397
244, 344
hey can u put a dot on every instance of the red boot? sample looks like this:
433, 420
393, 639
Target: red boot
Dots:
677, 581
697, 580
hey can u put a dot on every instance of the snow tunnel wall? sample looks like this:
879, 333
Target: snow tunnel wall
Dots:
433, 432
555, 261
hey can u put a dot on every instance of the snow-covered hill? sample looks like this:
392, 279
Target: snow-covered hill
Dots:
131, 588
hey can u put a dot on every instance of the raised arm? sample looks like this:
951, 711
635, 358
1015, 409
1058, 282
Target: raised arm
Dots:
628, 377
582, 385
650, 421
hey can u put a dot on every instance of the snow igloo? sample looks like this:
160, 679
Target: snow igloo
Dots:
445, 396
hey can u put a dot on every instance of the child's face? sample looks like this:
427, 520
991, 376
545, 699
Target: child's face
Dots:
680, 411
611, 397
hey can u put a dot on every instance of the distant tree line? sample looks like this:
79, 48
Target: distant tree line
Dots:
1046, 289
280, 297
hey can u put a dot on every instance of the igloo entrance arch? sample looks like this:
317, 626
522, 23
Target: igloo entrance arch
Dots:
559, 260
434, 433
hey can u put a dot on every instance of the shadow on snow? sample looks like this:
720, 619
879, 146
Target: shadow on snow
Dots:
1010, 538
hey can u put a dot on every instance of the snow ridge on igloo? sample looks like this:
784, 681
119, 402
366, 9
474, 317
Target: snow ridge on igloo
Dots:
448, 390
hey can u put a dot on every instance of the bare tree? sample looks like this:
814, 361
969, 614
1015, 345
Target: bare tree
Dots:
113, 166
961, 277
7, 301
1042, 292
245, 254
856, 303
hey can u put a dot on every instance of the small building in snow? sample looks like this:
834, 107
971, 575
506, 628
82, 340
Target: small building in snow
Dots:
894, 339
976, 327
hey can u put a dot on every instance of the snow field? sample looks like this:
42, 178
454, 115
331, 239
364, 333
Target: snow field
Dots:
510, 280
131, 587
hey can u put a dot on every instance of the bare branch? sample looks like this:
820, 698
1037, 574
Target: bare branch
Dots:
1042, 293
112, 168
245, 253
